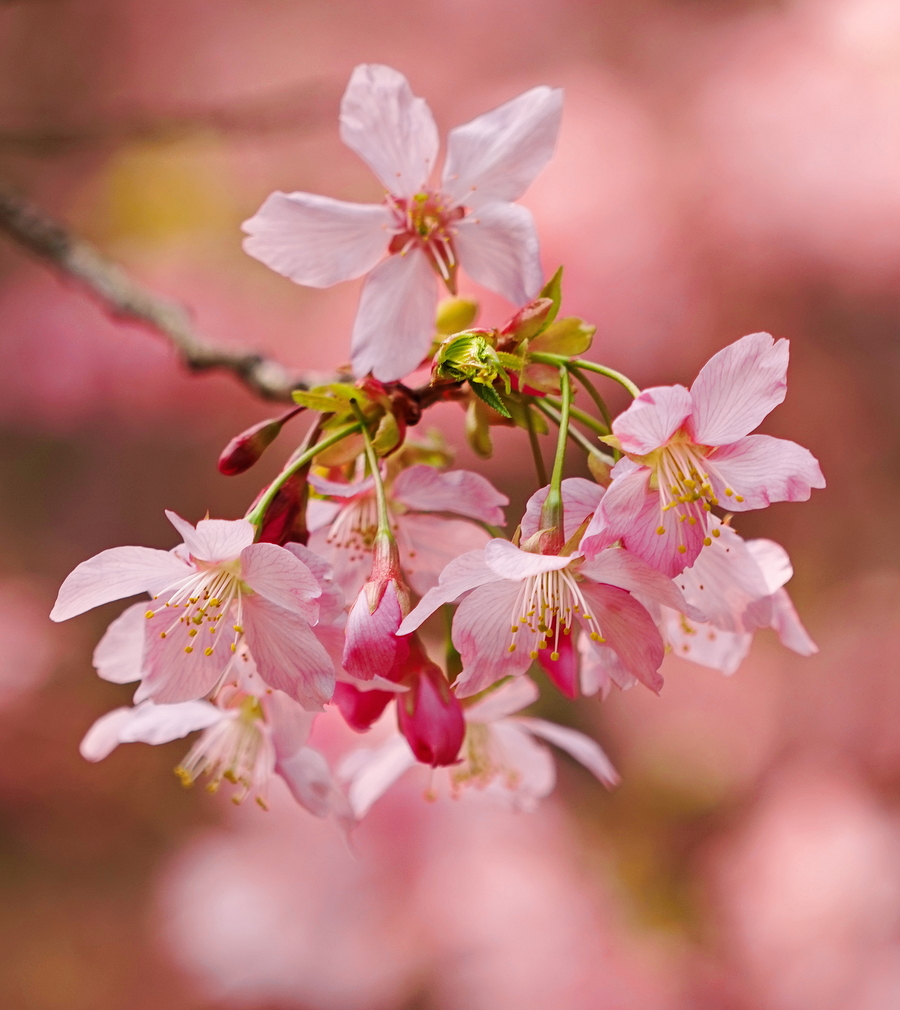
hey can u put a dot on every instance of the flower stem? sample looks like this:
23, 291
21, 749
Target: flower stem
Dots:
539, 466
384, 519
580, 415
552, 512
576, 436
561, 361
594, 395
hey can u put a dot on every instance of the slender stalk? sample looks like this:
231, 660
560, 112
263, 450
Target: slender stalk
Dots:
539, 465
561, 362
584, 418
552, 512
594, 395
384, 518
575, 435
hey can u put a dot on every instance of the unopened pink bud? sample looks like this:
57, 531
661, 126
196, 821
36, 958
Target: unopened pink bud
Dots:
245, 449
360, 708
431, 718
279, 525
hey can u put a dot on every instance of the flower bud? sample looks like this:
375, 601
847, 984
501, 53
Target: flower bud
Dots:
360, 708
468, 355
245, 449
454, 315
529, 320
431, 718
279, 524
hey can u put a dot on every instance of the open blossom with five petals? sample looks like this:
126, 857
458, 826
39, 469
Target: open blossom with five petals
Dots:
518, 606
469, 219
500, 757
689, 450
343, 529
216, 591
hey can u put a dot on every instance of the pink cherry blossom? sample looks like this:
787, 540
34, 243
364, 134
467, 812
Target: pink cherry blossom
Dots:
469, 219
267, 596
500, 755
343, 529
518, 606
689, 450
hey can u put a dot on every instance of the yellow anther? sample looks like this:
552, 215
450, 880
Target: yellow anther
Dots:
238, 629
512, 648
214, 602
707, 507
212, 631
737, 497
706, 541
162, 634
189, 648
533, 655
717, 533
554, 656
514, 628
682, 549
192, 632
208, 651
729, 492
149, 614
660, 530
233, 647
692, 520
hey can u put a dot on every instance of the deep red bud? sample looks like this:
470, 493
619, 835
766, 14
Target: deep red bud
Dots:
279, 525
360, 708
431, 718
245, 449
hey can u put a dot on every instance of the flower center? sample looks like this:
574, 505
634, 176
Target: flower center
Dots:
354, 528
547, 605
480, 764
426, 222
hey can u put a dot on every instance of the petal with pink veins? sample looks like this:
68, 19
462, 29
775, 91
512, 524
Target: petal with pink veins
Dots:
214, 539
506, 700
629, 631
426, 489
113, 575
618, 567
652, 418
509, 562
429, 543
499, 154
394, 324
581, 498
497, 246
761, 469
317, 241
291, 724
372, 647
601, 668
585, 750
331, 600
462, 575
170, 673
321, 514
738, 387
391, 129
706, 644
282, 578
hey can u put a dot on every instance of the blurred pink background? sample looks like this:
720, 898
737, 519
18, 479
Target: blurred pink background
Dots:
725, 166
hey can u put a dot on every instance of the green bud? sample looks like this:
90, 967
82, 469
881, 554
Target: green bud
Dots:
469, 357
455, 315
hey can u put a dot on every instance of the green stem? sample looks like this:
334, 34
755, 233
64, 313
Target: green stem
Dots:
539, 466
563, 362
594, 395
575, 435
256, 516
580, 415
384, 518
552, 512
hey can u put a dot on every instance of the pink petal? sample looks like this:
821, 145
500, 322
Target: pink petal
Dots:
774, 563
706, 644
737, 387
562, 671
482, 635
321, 514
653, 418
460, 576
618, 567
788, 625
427, 489
394, 323
372, 647
429, 543
341, 489
389, 128
113, 575
103, 737
581, 498
629, 631
351, 564
601, 668
290, 723
282, 578
308, 777
288, 655
498, 155
510, 697
585, 750
497, 246
214, 539
173, 675
331, 600
376, 771
120, 653
509, 562
317, 241
514, 748
157, 724
762, 469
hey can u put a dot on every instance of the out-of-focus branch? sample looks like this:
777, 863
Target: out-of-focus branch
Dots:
124, 298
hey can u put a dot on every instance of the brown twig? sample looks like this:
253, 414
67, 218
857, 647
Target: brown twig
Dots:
124, 298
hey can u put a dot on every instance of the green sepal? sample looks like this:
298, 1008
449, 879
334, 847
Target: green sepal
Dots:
569, 337
387, 435
553, 290
510, 361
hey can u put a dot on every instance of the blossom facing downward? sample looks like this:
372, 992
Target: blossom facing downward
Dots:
689, 450
426, 231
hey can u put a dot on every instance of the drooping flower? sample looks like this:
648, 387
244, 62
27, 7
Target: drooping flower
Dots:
500, 756
219, 589
344, 529
689, 450
469, 219
518, 606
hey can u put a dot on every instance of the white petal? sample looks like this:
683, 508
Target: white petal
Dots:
585, 750
463, 574
376, 771
120, 653
103, 737
394, 324
499, 154
214, 539
497, 246
389, 128
158, 724
317, 241
510, 697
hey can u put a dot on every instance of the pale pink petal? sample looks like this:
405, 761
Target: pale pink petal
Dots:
427, 489
120, 653
788, 625
389, 128
482, 635
429, 543
507, 699
761, 469
290, 723
629, 630
704, 643
774, 563
282, 578
214, 539
288, 655
394, 323
103, 737
515, 750
497, 246
341, 489
321, 514
317, 241
581, 498
509, 562
601, 668
174, 675
653, 418
460, 576
308, 777
585, 750
618, 567
331, 600
157, 724
372, 647
499, 154
351, 563
737, 387
113, 575
372, 773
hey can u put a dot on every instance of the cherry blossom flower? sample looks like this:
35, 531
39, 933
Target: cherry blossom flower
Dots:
267, 596
519, 606
500, 755
688, 450
469, 219
343, 530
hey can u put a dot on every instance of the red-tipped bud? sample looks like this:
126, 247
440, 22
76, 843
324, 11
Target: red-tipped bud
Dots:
360, 708
279, 524
245, 449
431, 718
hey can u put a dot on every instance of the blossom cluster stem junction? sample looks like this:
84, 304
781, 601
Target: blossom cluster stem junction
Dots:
560, 361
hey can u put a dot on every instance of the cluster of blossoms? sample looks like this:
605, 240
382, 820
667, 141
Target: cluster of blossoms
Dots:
326, 593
